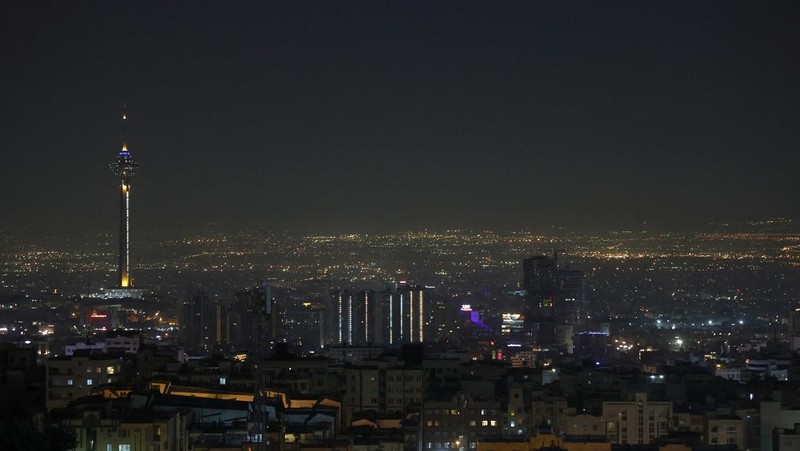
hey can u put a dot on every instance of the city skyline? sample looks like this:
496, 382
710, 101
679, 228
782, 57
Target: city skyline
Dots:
445, 226
372, 117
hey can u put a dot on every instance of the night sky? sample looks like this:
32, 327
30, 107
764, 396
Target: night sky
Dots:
376, 115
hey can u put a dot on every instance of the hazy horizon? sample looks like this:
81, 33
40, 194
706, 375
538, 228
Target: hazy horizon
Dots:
369, 116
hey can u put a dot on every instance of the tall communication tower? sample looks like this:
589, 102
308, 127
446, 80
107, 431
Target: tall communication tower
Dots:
124, 167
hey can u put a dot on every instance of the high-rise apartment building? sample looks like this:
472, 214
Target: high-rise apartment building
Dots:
412, 314
539, 283
194, 318
389, 317
794, 329
253, 316
340, 316
570, 295
553, 300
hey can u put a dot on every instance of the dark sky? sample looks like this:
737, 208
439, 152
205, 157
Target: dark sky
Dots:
377, 115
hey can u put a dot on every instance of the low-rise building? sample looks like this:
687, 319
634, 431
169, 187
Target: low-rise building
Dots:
638, 421
458, 421
128, 341
110, 425
71, 377
550, 442
725, 430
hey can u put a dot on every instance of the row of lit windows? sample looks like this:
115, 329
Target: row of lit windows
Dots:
472, 423
108, 370
730, 429
432, 445
99, 370
434, 412
71, 382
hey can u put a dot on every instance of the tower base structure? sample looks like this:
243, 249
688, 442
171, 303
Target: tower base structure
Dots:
120, 293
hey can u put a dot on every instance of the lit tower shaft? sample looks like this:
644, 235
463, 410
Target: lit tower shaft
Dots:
124, 168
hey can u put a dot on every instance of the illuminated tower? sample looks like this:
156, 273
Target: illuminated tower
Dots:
124, 168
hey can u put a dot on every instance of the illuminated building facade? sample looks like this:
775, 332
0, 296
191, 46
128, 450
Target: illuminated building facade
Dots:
410, 326
388, 318
353, 317
124, 168
512, 324
340, 316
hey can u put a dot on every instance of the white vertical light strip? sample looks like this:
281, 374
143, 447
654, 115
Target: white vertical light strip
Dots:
411, 315
391, 320
340, 317
350, 319
421, 316
401, 337
366, 316
125, 260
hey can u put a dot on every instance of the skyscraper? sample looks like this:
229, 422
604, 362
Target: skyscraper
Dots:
553, 300
539, 275
195, 320
571, 292
340, 316
124, 168
794, 329
411, 301
390, 317
539, 282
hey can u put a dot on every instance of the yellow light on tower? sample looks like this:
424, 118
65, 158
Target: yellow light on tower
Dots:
124, 188
124, 282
